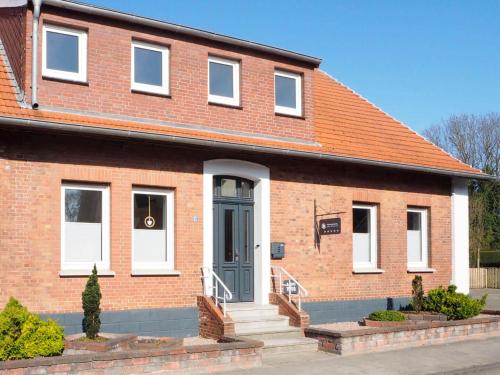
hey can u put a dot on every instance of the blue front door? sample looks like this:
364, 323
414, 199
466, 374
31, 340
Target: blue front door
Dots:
233, 236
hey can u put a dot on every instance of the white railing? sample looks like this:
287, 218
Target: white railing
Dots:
212, 281
278, 273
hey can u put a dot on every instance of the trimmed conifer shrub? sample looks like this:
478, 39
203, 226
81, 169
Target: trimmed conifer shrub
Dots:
417, 292
91, 303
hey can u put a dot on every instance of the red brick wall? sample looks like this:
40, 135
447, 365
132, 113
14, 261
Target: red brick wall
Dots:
13, 36
108, 90
327, 271
32, 167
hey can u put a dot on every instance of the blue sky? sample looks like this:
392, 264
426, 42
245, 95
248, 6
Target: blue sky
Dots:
420, 61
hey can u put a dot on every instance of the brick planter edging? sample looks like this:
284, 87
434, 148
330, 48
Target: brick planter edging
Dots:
403, 336
231, 354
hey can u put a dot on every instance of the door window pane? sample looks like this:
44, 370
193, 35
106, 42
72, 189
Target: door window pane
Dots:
246, 189
228, 236
228, 187
413, 220
285, 91
221, 79
148, 66
246, 235
62, 52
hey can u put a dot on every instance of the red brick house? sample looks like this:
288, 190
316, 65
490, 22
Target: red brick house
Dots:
153, 150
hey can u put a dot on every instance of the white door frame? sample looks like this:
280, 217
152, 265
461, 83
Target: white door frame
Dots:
259, 174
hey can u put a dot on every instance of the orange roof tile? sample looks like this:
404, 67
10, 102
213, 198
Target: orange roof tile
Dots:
347, 126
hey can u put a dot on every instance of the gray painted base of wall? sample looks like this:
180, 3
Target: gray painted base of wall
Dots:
344, 311
183, 322
174, 322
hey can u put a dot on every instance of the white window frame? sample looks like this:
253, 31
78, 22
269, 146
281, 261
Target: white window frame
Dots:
297, 111
235, 100
152, 268
81, 75
373, 229
164, 89
424, 264
86, 267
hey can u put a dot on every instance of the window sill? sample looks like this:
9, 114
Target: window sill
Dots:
233, 106
155, 272
367, 270
420, 270
65, 80
152, 93
298, 117
77, 273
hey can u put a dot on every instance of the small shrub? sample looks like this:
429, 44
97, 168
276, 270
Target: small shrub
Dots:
91, 301
26, 335
417, 292
455, 306
387, 316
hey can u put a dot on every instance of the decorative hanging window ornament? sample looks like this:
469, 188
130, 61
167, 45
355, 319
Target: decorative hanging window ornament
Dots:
149, 220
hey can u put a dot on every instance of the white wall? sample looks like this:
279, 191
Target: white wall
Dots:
460, 235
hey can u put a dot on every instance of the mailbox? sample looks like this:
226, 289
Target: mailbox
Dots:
277, 250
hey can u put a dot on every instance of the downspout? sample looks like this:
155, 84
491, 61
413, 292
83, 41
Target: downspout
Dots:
37, 4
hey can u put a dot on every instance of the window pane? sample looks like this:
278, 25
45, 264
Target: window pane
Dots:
228, 187
221, 79
246, 235
285, 91
228, 236
149, 211
414, 220
62, 52
246, 189
360, 220
148, 66
83, 206
82, 242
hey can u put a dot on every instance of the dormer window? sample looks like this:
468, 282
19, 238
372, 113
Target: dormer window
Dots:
64, 53
150, 68
288, 93
223, 81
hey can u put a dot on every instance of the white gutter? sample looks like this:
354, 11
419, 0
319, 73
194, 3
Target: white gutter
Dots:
161, 25
138, 135
37, 4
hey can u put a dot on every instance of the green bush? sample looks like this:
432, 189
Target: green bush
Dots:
26, 335
91, 301
387, 316
454, 305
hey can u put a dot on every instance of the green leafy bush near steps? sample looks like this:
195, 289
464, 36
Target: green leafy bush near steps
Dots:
26, 335
387, 316
454, 305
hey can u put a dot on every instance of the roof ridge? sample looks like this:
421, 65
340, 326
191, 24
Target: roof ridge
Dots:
392, 117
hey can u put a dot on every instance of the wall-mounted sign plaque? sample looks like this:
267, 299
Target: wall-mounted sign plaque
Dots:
329, 226
290, 287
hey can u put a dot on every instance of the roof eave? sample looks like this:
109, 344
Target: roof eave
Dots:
138, 135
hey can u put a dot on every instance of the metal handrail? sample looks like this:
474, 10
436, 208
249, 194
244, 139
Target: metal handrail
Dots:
278, 272
227, 295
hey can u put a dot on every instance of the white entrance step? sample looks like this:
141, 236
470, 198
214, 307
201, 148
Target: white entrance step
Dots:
289, 345
264, 323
